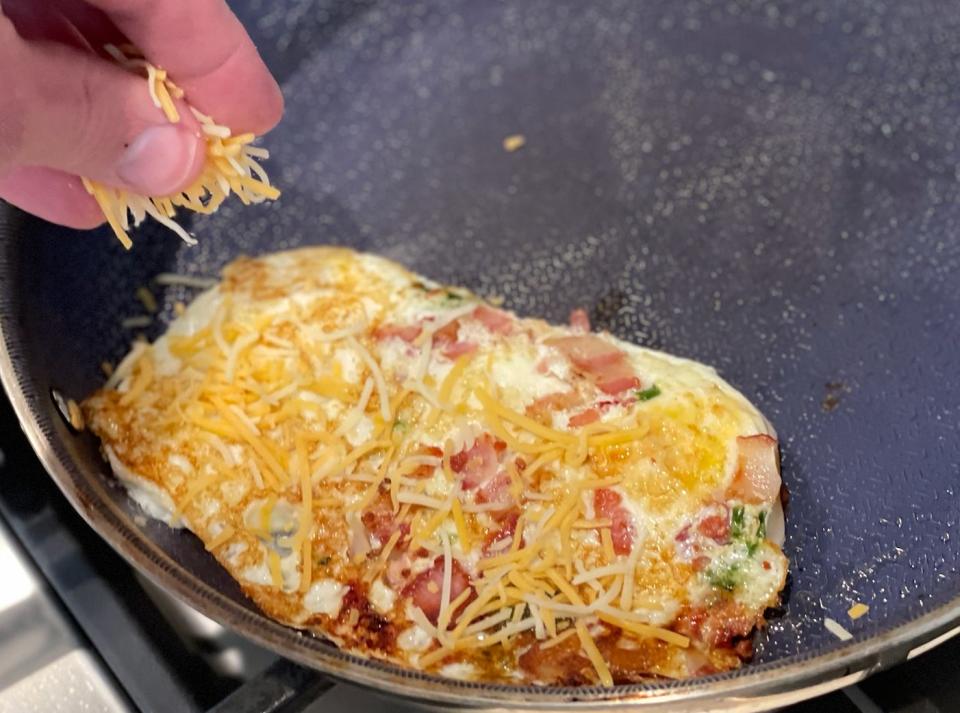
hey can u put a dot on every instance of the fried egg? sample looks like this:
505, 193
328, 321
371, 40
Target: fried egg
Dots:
423, 478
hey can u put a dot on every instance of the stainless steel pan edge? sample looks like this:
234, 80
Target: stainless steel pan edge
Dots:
750, 689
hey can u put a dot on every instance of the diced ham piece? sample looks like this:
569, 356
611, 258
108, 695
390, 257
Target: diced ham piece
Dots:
476, 464
398, 568
716, 527
425, 471
584, 417
542, 408
499, 540
458, 349
496, 490
700, 563
380, 520
617, 378
588, 351
758, 470
608, 504
580, 320
407, 332
495, 320
446, 340
426, 590
604, 362
448, 333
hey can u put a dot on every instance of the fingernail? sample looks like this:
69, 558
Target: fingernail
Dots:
159, 160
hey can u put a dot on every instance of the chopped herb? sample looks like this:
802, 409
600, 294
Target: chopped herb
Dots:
324, 561
454, 296
742, 531
726, 578
647, 394
399, 424
736, 522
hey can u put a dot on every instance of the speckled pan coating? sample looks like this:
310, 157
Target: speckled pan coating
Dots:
771, 192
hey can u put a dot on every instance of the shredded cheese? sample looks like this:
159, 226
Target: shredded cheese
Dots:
274, 562
558, 638
239, 174
460, 522
593, 653
857, 610
287, 404
835, 628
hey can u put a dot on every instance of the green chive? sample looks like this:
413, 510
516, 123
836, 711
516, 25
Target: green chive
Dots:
726, 578
647, 394
736, 522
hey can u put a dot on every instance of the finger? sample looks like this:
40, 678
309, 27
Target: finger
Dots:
83, 115
206, 51
51, 195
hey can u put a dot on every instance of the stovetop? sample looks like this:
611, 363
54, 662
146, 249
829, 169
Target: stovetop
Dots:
74, 616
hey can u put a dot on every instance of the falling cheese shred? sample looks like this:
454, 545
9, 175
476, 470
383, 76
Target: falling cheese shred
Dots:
231, 167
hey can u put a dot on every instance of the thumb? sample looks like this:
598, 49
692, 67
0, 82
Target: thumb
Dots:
75, 112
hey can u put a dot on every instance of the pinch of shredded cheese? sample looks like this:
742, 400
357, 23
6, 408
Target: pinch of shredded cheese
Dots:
231, 167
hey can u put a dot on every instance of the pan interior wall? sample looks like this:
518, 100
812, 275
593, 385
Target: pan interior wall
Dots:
772, 193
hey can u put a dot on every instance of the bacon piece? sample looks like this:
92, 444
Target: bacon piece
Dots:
372, 629
427, 588
542, 408
716, 527
584, 417
758, 470
425, 471
496, 490
476, 464
605, 363
406, 332
562, 664
588, 351
380, 520
617, 378
495, 320
717, 626
580, 320
457, 349
608, 504
446, 341
496, 541
397, 571
448, 333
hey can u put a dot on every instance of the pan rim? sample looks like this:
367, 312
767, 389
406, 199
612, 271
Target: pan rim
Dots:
750, 688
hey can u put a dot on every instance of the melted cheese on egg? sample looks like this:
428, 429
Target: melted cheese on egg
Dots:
316, 420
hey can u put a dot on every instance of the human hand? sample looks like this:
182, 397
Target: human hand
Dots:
67, 110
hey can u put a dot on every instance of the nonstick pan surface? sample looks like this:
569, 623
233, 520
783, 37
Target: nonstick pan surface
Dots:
768, 189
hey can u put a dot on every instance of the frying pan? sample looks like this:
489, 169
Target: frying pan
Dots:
769, 190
